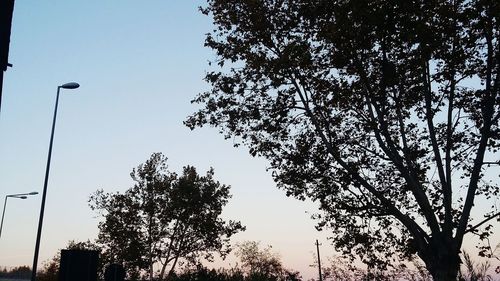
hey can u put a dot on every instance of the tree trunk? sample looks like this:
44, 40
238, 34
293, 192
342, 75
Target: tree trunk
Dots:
446, 272
442, 259
171, 271
162, 273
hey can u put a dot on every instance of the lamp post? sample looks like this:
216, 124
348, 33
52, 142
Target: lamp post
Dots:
18, 196
71, 85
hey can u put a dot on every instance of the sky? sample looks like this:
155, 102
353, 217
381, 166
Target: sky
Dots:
139, 63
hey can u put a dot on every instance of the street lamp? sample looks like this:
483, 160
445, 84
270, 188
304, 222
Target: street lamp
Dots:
71, 85
18, 196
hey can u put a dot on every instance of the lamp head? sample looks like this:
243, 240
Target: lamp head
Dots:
70, 85
22, 197
33, 193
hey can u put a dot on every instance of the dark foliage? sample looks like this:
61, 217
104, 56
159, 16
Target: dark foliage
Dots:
234, 274
19, 272
163, 219
385, 112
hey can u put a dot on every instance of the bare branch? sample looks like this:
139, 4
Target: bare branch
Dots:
472, 228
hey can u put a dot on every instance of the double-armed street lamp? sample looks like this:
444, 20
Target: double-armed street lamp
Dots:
18, 196
71, 85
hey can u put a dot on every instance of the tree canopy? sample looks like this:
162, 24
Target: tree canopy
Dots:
263, 264
164, 218
385, 112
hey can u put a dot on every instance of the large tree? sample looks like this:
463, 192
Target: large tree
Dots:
164, 217
385, 112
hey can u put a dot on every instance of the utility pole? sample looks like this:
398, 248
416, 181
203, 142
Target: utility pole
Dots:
319, 261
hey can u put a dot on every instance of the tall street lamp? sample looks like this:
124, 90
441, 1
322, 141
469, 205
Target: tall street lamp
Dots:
71, 85
18, 196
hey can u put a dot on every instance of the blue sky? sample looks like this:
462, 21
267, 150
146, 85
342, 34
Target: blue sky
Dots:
139, 64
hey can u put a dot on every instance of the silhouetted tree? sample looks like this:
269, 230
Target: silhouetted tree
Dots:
18, 272
385, 112
164, 217
202, 273
263, 264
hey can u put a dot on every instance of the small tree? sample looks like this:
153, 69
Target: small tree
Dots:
263, 264
164, 217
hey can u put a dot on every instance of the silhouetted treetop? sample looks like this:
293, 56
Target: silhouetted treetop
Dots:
163, 219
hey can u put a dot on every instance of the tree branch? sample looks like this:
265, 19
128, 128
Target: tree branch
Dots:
417, 232
472, 228
430, 125
392, 152
488, 106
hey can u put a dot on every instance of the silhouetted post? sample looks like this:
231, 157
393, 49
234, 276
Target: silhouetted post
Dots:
1, 87
319, 261
71, 85
6, 11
